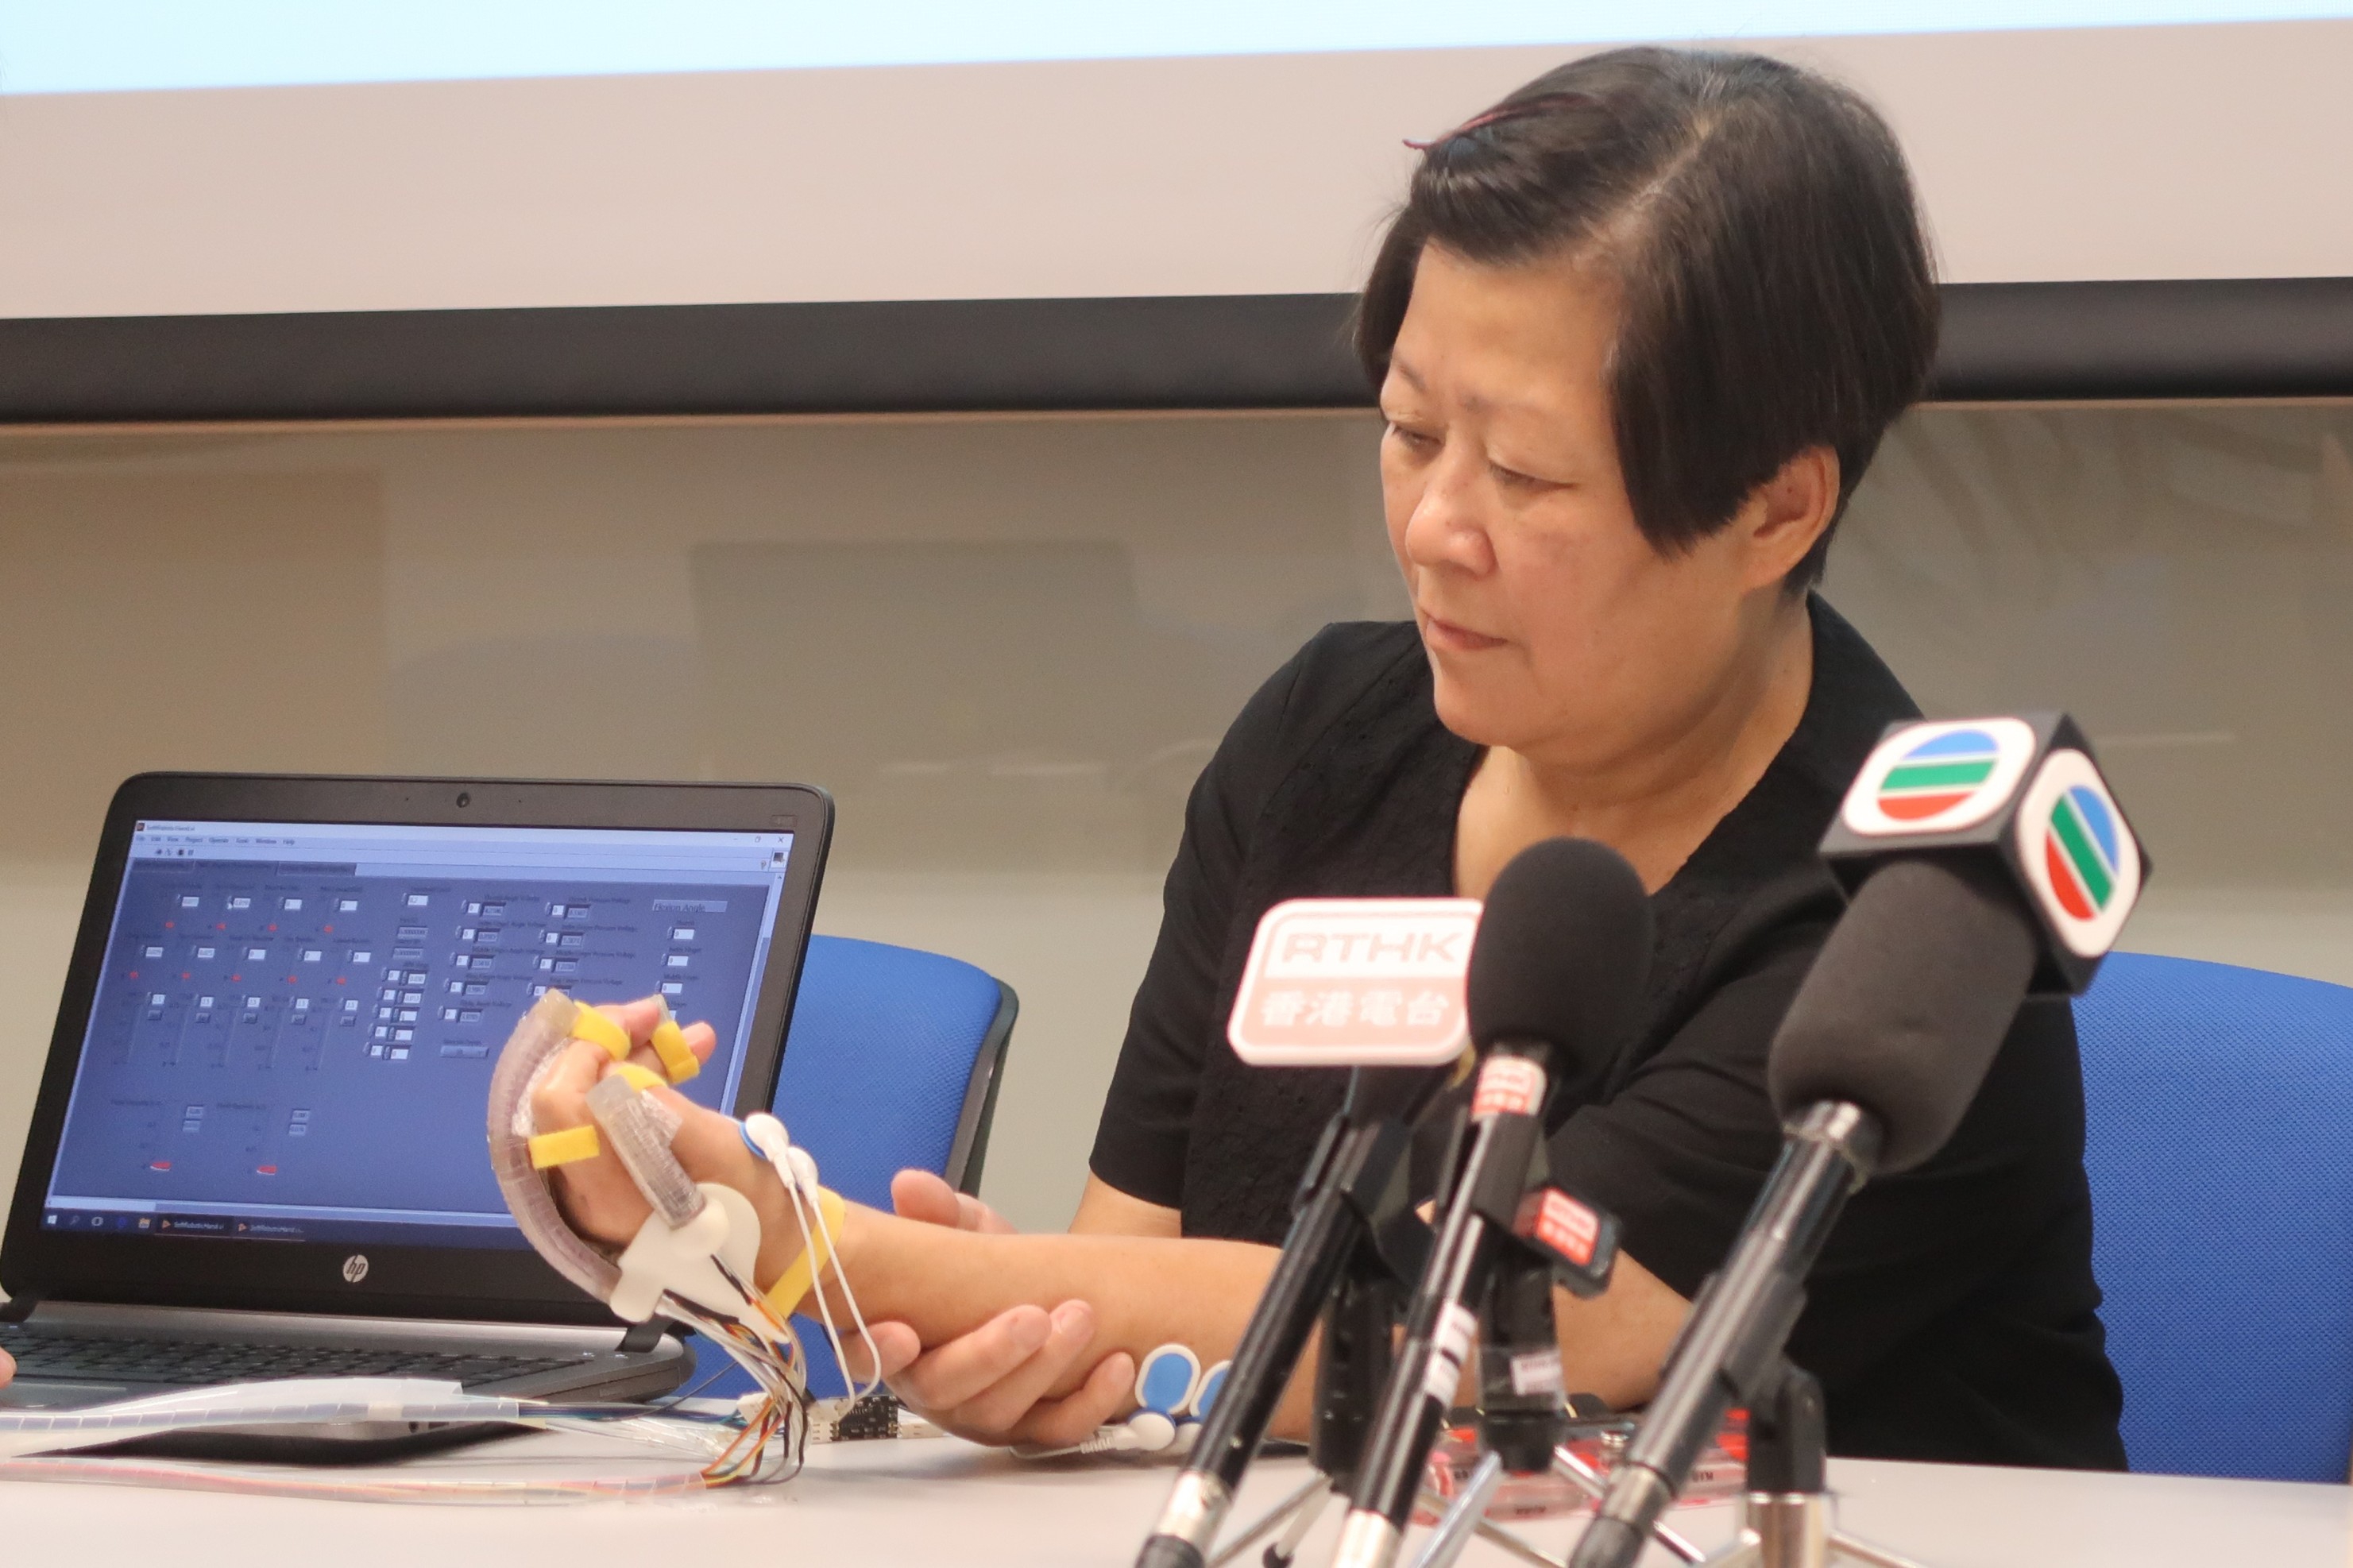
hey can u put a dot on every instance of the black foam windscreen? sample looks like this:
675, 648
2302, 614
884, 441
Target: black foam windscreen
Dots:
1909, 1000
1562, 956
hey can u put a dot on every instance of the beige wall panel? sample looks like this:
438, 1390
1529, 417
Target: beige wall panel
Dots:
182, 622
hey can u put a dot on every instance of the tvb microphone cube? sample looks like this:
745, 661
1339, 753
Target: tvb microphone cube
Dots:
2023, 791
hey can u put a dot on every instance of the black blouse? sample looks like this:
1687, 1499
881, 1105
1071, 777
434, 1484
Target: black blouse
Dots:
1952, 1315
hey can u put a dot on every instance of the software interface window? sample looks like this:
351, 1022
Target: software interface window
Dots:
296, 1023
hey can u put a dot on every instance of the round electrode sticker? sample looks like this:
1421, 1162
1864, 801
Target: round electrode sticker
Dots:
2080, 857
1939, 778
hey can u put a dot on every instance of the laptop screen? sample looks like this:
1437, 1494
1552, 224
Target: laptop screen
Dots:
295, 1026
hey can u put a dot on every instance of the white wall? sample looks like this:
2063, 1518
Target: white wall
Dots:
2183, 151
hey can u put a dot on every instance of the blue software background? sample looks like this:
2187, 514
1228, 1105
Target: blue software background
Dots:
299, 1035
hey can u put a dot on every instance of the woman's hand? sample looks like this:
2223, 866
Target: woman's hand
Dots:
598, 1196
989, 1384
8, 1367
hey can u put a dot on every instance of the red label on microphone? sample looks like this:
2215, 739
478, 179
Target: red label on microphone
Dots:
1356, 982
1559, 1223
1508, 1086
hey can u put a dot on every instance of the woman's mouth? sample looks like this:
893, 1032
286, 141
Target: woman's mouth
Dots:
1445, 636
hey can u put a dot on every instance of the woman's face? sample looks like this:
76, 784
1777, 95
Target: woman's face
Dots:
1552, 626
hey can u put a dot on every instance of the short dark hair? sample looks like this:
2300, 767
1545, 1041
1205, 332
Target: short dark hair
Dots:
1776, 292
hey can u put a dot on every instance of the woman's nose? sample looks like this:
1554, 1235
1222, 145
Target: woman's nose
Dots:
1445, 528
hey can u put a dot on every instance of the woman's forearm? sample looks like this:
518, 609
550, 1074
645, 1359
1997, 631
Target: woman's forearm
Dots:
1147, 1292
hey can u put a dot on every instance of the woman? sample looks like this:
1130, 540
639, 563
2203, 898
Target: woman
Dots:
1637, 333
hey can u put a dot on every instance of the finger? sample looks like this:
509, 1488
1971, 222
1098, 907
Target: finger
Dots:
920, 1196
895, 1349
697, 1037
560, 1098
943, 1378
595, 1196
711, 1146
637, 1018
1059, 1423
923, 1195
974, 1214
1006, 1402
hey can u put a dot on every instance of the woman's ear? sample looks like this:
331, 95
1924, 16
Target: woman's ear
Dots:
1788, 514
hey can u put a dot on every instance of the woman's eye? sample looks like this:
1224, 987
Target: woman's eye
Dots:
1412, 440
1512, 478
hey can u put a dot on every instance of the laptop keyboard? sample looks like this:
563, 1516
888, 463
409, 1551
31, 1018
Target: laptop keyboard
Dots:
187, 1362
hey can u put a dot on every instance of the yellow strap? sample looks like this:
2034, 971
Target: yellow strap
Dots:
638, 1078
670, 1045
574, 1143
786, 1294
592, 1025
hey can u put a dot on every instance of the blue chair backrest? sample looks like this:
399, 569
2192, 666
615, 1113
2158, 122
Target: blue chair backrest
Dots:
892, 1063
2220, 1146
891, 1060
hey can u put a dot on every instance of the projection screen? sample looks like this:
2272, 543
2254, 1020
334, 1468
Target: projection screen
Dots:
163, 160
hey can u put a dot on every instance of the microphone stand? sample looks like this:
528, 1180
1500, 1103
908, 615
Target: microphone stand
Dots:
1785, 1508
1505, 1234
1522, 1402
1439, 1326
1731, 1344
1524, 1411
1360, 1324
1354, 1242
1358, 1351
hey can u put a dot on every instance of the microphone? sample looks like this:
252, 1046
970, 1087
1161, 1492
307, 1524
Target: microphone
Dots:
1969, 893
1907, 1004
1555, 977
1375, 983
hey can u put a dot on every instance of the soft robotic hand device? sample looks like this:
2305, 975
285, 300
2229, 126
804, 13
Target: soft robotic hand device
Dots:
692, 1258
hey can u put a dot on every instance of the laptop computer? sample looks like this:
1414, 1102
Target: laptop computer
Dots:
258, 1146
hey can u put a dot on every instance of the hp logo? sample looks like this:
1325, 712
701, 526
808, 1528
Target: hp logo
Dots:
355, 1268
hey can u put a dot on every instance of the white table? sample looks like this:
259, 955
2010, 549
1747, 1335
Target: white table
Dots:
938, 1500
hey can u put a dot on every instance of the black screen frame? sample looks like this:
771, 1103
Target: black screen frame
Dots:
2202, 337
488, 1284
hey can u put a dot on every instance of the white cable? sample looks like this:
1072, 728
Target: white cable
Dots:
797, 1168
812, 1216
284, 1400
